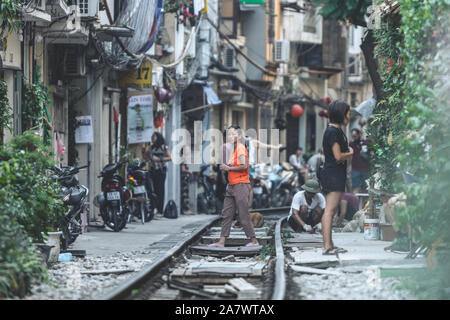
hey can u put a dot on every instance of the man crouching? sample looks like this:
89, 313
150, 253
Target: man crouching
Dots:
307, 208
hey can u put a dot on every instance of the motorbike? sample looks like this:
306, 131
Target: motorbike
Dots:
142, 203
74, 196
207, 200
114, 197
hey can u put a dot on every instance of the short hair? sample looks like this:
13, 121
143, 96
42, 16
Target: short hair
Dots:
337, 111
299, 148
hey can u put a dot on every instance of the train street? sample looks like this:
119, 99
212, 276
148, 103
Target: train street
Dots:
225, 158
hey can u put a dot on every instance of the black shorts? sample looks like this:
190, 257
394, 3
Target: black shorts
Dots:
332, 179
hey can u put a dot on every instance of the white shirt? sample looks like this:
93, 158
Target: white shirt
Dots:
297, 162
313, 160
300, 200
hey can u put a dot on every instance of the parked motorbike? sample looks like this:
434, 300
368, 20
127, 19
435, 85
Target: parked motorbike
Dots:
113, 200
74, 198
142, 203
207, 200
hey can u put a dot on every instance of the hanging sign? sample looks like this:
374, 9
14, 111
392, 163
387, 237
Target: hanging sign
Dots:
139, 78
140, 119
84, 132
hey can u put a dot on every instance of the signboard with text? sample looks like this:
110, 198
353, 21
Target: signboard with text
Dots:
139, 78
140, 118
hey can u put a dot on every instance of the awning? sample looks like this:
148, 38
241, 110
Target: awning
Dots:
199, 95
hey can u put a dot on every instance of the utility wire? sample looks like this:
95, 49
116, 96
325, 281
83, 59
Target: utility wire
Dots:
266, 71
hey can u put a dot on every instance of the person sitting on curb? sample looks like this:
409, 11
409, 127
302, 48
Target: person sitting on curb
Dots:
348, 206
307, 208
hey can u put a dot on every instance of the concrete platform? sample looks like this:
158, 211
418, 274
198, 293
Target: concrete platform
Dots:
360, 252
156, 236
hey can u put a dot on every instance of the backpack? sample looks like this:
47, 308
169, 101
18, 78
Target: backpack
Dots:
171, 211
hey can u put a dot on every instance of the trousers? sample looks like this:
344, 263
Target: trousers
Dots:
237, 197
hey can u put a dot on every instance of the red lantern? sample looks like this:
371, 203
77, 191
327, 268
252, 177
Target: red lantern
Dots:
159, 120
296, 111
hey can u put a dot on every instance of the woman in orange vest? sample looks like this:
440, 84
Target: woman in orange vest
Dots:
238, 191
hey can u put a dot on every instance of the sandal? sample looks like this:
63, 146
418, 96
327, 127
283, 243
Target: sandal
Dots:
340, 250
252, 245
328, 252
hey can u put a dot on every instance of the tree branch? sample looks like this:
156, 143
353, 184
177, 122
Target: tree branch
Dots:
368, 49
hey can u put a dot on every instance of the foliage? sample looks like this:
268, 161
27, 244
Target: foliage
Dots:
352, 11
184, 10
411, 129
36, 99
23, 164
20, 264
5, 108
267, 251
9, 13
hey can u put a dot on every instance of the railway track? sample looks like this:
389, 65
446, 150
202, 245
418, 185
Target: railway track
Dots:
191, 270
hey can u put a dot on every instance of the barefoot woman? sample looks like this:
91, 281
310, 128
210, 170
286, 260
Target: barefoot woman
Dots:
333, 176
238, 191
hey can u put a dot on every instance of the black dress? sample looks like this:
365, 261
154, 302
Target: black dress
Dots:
334, 174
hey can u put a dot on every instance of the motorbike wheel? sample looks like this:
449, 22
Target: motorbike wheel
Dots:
202, 203
119, 220
142, 211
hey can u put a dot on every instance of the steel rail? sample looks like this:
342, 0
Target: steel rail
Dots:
271, 210
124, 290
279, 290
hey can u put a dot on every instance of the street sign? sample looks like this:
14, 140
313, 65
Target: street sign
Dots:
140, 78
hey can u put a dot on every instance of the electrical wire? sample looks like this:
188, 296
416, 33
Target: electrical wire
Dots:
266, 71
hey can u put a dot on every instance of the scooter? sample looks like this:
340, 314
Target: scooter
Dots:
207, 200
141, 204
114, 197
74, 197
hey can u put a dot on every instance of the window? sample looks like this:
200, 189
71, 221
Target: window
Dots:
353, 99
229, 12
309, 24
354, 65
309, 55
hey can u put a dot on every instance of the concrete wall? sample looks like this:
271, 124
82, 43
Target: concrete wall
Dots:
253, 24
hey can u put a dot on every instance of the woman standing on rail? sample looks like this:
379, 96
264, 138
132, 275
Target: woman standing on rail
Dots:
333, 176
238, 191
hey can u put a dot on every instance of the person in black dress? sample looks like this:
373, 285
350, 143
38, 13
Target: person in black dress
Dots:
160, 155
333, 176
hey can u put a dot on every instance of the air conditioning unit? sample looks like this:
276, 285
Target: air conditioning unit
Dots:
74, 62
229, 57
282, 51
88, 8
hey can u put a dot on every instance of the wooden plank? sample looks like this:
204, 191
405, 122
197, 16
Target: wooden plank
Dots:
313, 270
304, 245
236, 241
237, 234
226, 251
115, 271
219, 229
222, 269
241, 285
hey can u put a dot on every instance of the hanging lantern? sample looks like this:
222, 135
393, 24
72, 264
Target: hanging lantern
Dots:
296, 111
163, 95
